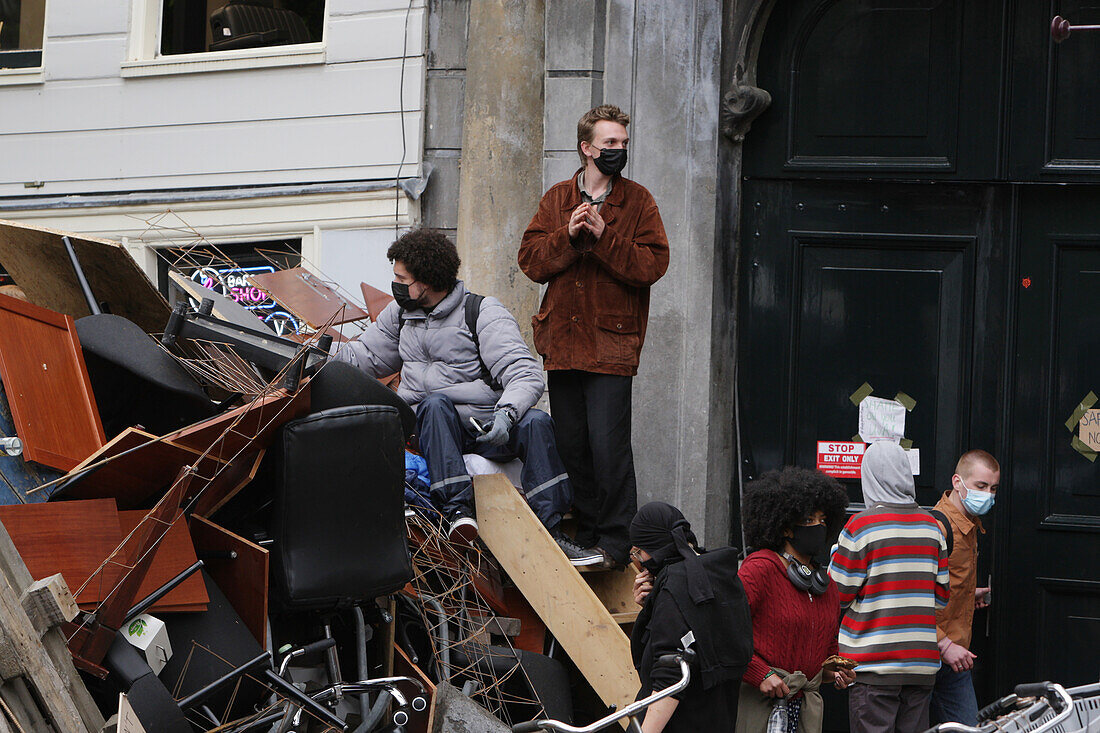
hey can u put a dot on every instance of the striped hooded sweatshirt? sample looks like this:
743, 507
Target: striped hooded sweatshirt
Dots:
891, 569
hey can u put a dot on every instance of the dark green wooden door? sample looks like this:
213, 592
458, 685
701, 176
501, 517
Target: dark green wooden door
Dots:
903, 225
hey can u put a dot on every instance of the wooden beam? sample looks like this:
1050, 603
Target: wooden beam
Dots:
45, 661
570, 609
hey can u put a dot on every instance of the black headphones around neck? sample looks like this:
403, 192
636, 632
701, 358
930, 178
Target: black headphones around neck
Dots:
803, 577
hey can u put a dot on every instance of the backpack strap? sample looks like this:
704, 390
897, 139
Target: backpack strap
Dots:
948, 533
473, 310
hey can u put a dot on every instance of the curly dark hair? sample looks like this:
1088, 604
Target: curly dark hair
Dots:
779, 500
429, 256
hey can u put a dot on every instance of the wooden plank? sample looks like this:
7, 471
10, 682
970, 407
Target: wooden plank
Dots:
68, 537
148, 467
570, 609
35, 257
175, 554
47, 385
307, 296
242, 578
45, 662
615, 589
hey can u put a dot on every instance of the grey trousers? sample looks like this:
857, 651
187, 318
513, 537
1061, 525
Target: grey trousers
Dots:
888, 708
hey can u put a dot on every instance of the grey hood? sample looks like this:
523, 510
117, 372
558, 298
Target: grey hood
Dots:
886, 475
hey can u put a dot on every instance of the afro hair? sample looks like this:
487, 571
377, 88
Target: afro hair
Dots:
780, 500
429, 256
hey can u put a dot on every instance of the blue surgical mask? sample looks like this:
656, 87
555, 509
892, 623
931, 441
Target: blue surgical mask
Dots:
977, 502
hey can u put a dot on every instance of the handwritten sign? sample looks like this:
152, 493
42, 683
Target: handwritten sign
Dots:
881, 419
1089, 429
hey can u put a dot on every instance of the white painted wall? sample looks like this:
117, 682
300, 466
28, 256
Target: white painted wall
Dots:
109, 117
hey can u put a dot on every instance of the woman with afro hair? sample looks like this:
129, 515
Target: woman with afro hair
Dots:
791, 519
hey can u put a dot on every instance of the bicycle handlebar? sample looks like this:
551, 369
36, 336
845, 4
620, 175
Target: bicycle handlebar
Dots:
1052, 693
683, 659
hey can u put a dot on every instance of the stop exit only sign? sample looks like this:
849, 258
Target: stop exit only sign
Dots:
841, 460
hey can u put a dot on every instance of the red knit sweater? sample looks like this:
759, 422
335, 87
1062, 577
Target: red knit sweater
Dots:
791, 629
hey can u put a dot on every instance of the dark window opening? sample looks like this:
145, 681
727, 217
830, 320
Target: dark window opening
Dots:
21, 26
197, 26
225, 269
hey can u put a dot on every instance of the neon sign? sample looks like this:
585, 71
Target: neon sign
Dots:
233, 282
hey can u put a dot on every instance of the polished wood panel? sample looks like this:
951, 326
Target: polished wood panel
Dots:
237, 430
138, 466
242, 578
175, 554
376, 300
47, 385
308, 297
68, 537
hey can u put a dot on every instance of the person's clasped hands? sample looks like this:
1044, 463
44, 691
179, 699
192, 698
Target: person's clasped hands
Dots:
587, 217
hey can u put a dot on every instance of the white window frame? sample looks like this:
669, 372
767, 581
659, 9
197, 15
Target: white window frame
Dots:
143, 56
35, 74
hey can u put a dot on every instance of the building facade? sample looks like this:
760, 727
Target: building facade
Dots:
131, 121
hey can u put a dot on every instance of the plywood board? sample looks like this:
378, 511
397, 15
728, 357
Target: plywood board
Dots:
615, 589
69, 537
137, 468
175, 554
308, 297
563, 600
36, 259
243, 578
47, 385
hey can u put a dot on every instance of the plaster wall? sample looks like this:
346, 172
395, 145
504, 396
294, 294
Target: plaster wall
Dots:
659, 61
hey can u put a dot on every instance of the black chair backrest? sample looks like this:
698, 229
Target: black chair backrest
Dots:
338, 523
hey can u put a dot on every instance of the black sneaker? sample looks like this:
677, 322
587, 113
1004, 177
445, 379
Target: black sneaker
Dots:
578, 556
463, 527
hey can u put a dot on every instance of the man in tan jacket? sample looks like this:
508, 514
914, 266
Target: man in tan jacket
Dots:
598, 243
973, 492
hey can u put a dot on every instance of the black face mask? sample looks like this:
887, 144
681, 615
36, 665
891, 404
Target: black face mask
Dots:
652, 566
809, 542
611, 161
401, 295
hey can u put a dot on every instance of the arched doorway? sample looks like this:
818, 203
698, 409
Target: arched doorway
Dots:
920, 212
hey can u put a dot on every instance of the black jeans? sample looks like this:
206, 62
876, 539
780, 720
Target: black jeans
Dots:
592, 423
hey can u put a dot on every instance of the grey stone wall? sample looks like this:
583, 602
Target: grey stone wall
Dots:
660, 61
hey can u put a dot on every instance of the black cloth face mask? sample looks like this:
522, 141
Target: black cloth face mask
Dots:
611, 161
401, 295
809, 541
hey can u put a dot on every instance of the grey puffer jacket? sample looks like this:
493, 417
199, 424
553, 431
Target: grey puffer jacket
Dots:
435, 353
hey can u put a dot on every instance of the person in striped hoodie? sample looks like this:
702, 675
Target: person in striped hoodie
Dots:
890, 566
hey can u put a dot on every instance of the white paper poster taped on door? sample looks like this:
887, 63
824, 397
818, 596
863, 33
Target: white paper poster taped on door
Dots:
881, 419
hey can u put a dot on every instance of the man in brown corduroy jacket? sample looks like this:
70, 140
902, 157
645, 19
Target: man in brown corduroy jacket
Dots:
598, 243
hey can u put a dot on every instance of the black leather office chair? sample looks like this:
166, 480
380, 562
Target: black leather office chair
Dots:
253, 25
337, 525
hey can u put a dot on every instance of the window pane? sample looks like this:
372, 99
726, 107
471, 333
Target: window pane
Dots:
21, 23
195, 26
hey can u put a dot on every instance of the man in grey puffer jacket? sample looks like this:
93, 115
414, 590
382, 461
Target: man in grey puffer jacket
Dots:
424, 335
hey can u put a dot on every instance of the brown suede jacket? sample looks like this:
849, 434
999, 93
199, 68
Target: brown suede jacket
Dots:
593, 316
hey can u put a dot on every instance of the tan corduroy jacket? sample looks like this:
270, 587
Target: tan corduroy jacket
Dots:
594, 314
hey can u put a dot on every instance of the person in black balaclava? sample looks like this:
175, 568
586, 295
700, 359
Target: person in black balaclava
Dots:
693, 598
